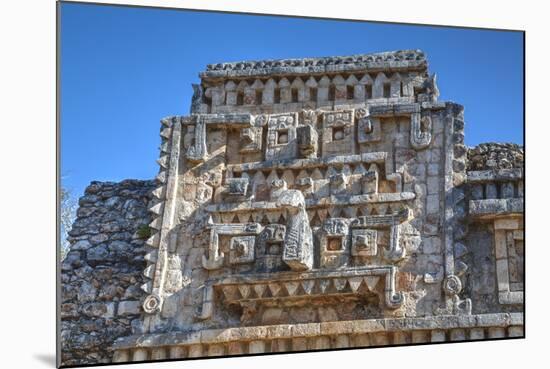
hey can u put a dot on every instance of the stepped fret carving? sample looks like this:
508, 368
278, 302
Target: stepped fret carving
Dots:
251, 291
215, 257
164, 210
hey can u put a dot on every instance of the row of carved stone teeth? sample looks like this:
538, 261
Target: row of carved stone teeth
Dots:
498, 190
302, 288
398, 56
316, 217
291, 175
312, 81
364, 87
158, 204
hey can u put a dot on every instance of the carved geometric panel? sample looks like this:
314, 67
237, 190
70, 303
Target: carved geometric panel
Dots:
334, 244
270, 248
251, 139
368, 128
237, 186
338, 133
241, 249
281, 136
364, 242
509, 260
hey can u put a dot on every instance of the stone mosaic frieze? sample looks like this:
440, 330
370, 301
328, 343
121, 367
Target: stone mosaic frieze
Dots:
324, 203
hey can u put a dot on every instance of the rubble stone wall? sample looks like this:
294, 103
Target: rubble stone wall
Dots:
493, 155
101, 274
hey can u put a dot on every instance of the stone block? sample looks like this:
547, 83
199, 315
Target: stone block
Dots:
432, 204
280, 345
97, 309
121, 356
81, 245
299, 344
129, 308
420, 336
508, 224
361, 340
477, 334
496, 332
98, 254
256, 347
216, 350
433, 169
341, 341
379, 339
319, 343
433, 184
195, 351
140, 355
457, 335
177, 352
235, 348
515, 331
438, 336
158, 353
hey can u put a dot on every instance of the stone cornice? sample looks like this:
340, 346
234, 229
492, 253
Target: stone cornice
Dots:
286, 331
392, 60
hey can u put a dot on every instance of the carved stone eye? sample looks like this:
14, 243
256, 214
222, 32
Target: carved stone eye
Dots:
334, 244
277, 183
337, 134
283, 138
241, 248
361, 242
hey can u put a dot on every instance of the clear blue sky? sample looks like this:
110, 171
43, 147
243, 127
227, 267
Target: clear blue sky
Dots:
124, 68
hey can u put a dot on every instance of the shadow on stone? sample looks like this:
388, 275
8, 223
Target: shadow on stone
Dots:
48, 359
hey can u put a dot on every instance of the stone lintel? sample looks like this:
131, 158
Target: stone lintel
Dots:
228, 120
391, 110
510, 297
295, 276
490, 208
413, 60
313, 203
372, 157
495, 175
288, 331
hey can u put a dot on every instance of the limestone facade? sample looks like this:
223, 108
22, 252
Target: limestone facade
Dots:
310, 204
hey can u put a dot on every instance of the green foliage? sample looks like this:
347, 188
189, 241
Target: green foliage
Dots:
144, 232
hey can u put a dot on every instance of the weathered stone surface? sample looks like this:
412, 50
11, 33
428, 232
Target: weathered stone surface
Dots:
304, 204
129, 308
495, 156
96, 279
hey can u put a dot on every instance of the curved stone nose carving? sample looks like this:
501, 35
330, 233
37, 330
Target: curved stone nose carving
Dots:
298, 246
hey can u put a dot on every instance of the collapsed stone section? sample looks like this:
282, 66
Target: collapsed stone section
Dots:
495, 156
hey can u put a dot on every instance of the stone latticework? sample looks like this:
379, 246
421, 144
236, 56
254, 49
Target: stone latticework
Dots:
311, 204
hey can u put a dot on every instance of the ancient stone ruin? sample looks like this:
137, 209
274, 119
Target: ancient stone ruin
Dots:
303, 204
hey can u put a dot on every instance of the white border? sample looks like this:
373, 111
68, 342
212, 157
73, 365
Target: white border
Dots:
28, 186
